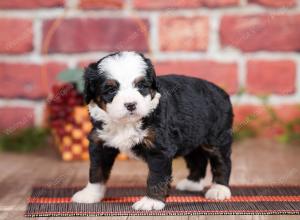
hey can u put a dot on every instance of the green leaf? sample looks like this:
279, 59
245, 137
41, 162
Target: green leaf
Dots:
244, 133
70, 75
25, 140
80, 86
73, 76
284, 138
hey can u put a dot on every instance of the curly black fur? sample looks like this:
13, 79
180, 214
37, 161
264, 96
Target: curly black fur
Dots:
193, 119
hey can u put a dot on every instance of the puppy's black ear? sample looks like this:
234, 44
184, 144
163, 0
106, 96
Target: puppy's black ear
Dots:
90, 77
151, 74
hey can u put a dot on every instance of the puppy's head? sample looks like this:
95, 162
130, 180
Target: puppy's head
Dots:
123, 85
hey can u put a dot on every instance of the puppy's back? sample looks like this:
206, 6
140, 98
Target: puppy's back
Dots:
196, 105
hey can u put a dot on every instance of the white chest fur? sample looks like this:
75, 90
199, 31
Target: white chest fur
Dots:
122, 136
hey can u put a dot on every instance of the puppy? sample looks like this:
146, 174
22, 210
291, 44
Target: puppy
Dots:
155, 119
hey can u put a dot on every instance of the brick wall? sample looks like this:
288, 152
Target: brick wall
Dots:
237, 44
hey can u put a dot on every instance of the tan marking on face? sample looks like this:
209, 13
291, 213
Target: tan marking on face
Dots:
101, 103
111, 82
152, 93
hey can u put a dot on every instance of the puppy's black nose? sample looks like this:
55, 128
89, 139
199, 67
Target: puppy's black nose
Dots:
131, 106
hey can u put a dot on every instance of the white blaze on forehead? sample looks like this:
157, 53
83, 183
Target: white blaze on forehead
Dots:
124, 67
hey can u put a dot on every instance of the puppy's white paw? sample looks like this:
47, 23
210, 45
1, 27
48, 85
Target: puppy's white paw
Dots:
190, 185
147, 203
218, 192
93, 192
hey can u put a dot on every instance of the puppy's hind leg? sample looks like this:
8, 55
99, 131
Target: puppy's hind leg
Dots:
196, 162
221, 168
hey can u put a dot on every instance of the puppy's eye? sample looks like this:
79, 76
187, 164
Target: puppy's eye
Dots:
142, 85
110, 90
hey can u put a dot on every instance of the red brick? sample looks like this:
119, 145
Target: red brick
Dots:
105, 34
30, 4
288, 113
250, 117
158, 4
13, 118
220, 3
261, 32
259, 118
256, 118
183, 34
275, 3
223, 74
85, 63
100, 4
27, 80
285, 113
244, 114
265, 77
16, 36
171, 4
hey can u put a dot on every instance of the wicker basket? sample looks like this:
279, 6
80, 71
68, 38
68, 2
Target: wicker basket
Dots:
71, 139
69, 122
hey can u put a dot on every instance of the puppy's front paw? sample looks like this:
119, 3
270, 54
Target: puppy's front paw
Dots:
190, 185
147, 203
90, 194
218, 192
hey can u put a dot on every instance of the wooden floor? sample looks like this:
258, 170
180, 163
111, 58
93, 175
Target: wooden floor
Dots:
254, 162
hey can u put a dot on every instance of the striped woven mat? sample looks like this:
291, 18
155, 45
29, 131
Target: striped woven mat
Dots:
247, 200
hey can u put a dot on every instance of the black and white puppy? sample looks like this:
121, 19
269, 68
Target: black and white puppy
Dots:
155, 119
